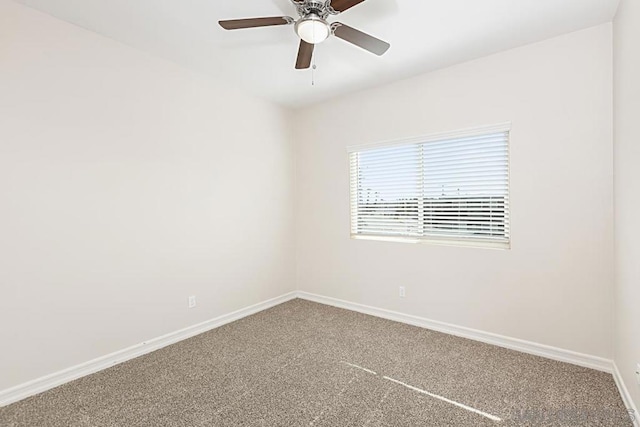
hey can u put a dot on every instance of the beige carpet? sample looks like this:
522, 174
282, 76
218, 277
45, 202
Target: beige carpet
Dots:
306, 364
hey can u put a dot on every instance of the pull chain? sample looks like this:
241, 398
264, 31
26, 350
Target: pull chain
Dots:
313, 71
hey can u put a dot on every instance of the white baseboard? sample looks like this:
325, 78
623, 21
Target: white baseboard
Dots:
48, 382
584, 360
626, 397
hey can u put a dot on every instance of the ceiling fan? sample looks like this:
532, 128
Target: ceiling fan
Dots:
312, 27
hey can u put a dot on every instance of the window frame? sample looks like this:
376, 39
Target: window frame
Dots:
435, 240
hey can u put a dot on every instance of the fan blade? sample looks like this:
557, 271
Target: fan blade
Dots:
360, 39
342, 5
236, 24
305, 53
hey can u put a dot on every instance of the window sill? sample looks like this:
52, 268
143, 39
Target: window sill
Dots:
465, 243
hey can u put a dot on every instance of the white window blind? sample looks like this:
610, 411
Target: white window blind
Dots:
444, 189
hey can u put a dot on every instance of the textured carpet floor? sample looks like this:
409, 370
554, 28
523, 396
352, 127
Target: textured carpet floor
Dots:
303, 364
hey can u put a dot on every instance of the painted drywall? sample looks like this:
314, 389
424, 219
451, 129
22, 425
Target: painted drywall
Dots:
554, 286
626, 42
127, 184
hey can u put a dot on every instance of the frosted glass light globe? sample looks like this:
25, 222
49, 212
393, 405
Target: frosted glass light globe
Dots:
313, 29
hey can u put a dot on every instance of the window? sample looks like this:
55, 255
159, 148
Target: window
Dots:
445, 189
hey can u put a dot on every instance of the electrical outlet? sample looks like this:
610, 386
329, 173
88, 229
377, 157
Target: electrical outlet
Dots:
638, 373
401, 292
192, 301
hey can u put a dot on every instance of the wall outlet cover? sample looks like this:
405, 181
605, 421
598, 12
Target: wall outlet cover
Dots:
192, 301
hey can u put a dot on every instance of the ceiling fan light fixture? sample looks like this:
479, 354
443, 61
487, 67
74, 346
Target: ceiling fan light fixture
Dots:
313, 29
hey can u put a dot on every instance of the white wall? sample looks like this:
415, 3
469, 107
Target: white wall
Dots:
554, 286
126, 185
626, 38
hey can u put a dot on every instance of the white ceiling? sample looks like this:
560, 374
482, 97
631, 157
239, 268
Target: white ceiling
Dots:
424, 34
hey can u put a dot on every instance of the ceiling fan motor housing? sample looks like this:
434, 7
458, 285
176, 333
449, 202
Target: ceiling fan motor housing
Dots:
314, 7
